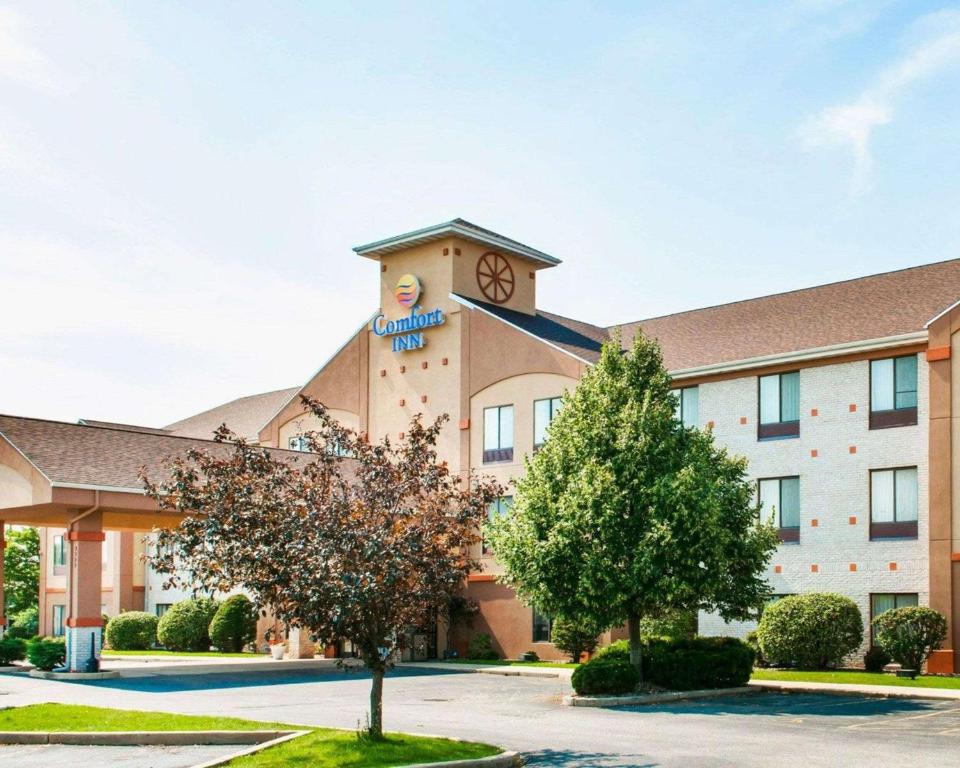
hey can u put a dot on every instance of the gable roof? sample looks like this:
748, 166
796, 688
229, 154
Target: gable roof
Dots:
582, 340
127, 427
244, 416
879, 306
459, 228
102, 457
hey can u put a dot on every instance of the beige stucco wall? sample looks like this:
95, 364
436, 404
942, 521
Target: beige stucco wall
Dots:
306, 422
524, 298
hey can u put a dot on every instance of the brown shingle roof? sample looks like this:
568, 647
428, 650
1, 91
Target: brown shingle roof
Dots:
127, 427
244, 416
874, 307
99, 456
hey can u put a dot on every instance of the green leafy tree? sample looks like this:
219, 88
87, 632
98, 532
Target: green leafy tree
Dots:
910, 634
624, 514
574, 636
21, 570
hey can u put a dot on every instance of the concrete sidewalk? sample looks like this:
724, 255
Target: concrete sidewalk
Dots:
844, 689
505, 670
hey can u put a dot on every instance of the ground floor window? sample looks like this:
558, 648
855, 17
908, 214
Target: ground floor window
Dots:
882, 602
58, 615
161, 608
541, 627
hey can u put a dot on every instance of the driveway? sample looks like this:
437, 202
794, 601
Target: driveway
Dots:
762, 729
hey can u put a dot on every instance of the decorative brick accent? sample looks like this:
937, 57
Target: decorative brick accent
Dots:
446, 251
424, 364
778, 569
710, 425
402, 402
383, 372
423, 398
814, 412
893, 566
815, 523
853, 567
853, 519
938, 353
444, 361
403, 369
402, 435
533, 275
464, 424
853, 449
853, 407
86, 536
456, 251
813, 453
814, 568
743, 419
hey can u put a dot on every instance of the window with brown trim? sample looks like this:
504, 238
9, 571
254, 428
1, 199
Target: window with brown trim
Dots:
687, 410
881, 602
498, 433
893, 503
893, 392
779, 497
543, 413
778, 404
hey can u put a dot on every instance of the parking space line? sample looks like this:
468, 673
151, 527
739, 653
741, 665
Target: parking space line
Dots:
893, 720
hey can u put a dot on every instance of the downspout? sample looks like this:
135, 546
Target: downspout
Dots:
94, 508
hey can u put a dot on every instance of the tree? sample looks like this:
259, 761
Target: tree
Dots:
574, 636
21, 570
625, 514
361, 542
910, 634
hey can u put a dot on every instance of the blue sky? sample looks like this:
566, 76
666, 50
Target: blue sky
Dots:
181, 183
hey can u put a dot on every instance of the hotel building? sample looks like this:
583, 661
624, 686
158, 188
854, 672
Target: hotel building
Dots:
844, 399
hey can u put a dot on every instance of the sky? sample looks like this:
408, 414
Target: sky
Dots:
181, 183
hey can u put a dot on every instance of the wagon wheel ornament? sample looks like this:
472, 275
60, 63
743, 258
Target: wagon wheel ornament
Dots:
495, 277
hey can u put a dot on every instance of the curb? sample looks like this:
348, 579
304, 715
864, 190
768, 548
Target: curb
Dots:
652, 698
146, 738
838, 689
175, 668
288, 736
503, 760
42, 675
504, 671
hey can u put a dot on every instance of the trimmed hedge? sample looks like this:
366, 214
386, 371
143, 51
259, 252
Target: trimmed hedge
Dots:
812, 631
185, 626
12, 649
234, 624
698, 663
910, 635
46, 653
619, 650
610, 676
132, 631
481, 648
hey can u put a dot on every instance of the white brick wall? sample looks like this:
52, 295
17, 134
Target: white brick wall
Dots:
834, 485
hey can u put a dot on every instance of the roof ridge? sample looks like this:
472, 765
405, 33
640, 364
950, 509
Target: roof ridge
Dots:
228, 402
109, 429
783, 293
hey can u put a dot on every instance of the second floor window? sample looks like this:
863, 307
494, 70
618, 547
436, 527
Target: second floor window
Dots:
893, 503
893, 392
59, 552
688, 406
497, 508
543, 413
298, 443
780, 497
779, 406
498, 433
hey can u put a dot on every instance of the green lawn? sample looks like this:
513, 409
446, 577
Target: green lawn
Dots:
512, 663
321, 748
192, 654
855, 677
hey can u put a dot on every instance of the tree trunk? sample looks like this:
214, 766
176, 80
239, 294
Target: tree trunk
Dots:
636, 650
376, 704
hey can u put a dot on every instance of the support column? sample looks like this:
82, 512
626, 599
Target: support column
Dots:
84, 628
299, 645
3, 548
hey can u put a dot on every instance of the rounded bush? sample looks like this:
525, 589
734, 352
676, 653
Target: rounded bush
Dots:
910, 635
234, 624
481, 648
812, 631
610, 676
24, 624
574, 636
132, 631
47, 653
185, 626
698, 663
875, 659
12, 649
619, 650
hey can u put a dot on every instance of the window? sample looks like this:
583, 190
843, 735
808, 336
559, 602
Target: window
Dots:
893, 392
541, 627
161, 608
893, 503
881, 603
779, 406
543, 413
497, 508
498, 433
688, 406
58, 614
59, 552
298, 443
780, 496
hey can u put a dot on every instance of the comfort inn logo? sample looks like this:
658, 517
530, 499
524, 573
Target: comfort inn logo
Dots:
407, 332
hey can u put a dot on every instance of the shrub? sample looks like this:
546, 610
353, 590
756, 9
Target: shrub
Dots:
574, 636
910, 635
875, 659
24, 624
46, 653
234, 624
481, 647
132, 631
12, 649
609, 676
698, 663
812, 631
751, 640
619, 650
674, 625
185, 626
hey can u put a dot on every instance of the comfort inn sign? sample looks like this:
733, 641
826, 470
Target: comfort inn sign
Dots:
407, 332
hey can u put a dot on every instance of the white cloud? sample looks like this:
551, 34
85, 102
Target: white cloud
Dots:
851, 124
20, 60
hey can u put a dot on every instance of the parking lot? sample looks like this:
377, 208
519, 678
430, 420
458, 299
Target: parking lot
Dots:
762, 729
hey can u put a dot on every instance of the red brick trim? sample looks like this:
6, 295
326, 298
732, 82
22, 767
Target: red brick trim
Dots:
139, 589
481, 577
86, 536
955, 557
84, 621
938, 353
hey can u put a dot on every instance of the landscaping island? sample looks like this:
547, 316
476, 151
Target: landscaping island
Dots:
320, 748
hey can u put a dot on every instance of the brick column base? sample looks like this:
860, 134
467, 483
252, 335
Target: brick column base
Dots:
940, 662
80, 642
299, 645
